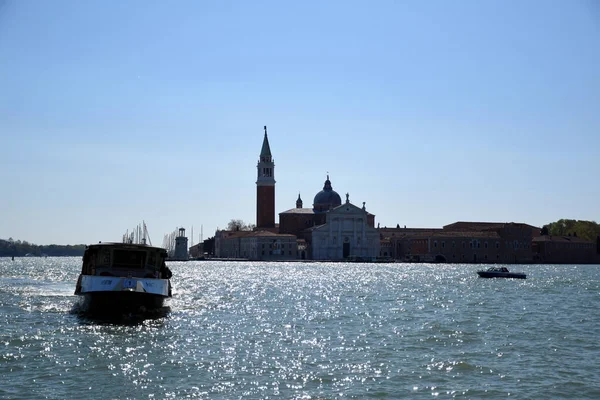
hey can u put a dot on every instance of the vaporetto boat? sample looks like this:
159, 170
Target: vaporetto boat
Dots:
123, 277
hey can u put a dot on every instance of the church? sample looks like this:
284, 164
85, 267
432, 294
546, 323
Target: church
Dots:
330, 230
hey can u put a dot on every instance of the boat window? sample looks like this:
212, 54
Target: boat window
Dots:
105, 258
152, 259
86, 262
129, 259
89, 262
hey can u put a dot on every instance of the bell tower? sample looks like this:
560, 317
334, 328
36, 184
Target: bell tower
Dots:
265, 187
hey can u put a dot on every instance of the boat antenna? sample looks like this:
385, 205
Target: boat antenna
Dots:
146, 234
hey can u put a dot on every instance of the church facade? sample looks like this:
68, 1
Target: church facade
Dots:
346, 234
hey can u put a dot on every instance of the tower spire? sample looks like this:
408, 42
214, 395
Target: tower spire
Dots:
265, 151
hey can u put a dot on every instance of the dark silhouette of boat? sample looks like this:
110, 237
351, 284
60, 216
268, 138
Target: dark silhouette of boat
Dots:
123, 277
500, 272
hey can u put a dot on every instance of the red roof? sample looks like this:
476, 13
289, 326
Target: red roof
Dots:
449, 235
482, 226
298, 211
560, 239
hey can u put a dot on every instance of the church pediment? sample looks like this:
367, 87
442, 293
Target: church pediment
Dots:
347, 209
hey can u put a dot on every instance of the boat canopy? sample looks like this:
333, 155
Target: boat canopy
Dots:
118, 259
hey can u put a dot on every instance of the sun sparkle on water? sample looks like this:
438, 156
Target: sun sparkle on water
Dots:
293, 330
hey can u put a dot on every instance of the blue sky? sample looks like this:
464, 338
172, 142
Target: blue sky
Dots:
429, 111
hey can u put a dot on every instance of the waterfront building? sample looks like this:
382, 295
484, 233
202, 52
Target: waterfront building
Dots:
297, 221
514, 243
255, 245
181, 246
567, 249
345, 234
332, 230
439, 246
197, 250
463, 242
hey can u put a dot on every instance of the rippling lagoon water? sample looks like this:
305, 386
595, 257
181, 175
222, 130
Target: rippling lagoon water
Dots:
307, 331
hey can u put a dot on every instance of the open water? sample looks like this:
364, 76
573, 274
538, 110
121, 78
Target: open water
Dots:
307, 331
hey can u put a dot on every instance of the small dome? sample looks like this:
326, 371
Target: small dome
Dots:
326, 198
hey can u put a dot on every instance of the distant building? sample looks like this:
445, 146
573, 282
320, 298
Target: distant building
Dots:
297, 220
197, 250
255, 245
345, 234
565, 250
514, 239
462, 242
332, 230
459, 247
181, 246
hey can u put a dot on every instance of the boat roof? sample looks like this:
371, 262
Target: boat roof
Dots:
130, 246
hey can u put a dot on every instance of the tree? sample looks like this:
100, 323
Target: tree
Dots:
19, 248
239, 225
587, 230
209, 246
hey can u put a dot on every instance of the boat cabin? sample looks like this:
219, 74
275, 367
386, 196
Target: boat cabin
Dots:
498, 269
123, 259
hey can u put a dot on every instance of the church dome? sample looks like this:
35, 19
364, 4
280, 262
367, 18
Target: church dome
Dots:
326, 198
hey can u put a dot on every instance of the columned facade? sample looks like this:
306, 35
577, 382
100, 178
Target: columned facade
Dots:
345, 235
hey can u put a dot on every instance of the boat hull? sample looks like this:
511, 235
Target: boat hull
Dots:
489, 274
116, 294
106, 302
